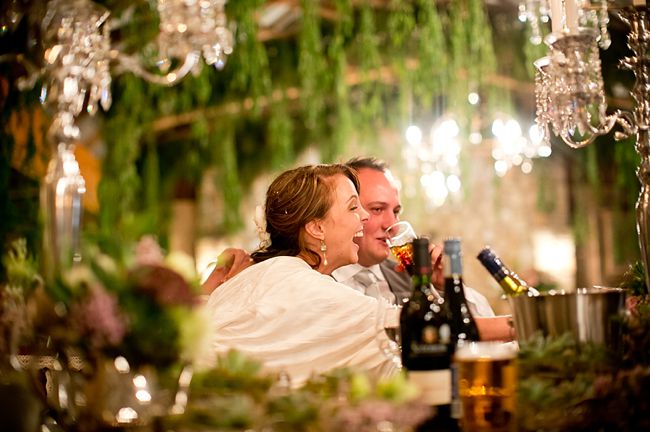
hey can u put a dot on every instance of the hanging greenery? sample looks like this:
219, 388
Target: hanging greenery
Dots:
312, 67
228, 178
368, 98
120, 183
280, 133
431, 76
401, 25
341, 125
473, 57
249, 61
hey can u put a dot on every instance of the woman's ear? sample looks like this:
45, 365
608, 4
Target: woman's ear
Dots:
316, 229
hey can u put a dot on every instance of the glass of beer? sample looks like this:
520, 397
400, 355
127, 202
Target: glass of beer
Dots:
400, 238
487, 386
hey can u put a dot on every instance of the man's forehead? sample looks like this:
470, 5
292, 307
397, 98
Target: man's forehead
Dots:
378, 188
392, 179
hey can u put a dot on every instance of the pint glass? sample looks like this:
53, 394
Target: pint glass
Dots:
487, 386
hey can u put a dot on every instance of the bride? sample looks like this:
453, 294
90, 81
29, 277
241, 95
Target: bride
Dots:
286, 310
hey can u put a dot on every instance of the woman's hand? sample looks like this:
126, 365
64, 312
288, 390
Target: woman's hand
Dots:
229, 263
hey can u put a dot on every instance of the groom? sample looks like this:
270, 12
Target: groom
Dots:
375, 273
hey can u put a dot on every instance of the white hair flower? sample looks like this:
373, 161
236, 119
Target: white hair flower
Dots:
260, 224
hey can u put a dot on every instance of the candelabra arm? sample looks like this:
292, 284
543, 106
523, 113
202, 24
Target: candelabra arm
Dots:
131, 64
593, 132
625, 120
573, 143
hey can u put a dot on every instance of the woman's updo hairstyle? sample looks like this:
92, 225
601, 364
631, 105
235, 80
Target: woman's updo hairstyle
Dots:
296, 197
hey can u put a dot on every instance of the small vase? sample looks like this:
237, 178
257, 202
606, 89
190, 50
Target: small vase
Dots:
113, 394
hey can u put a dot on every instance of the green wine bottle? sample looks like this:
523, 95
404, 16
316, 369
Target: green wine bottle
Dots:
509, 281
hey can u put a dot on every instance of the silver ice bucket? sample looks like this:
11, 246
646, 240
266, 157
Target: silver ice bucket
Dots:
589, 314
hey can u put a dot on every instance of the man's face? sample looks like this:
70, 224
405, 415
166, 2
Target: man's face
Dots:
380, 197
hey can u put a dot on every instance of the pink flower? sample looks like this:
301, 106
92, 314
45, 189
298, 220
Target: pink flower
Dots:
98, 317
164, 285
148, 252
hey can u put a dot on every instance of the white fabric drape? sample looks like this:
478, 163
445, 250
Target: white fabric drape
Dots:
297, 320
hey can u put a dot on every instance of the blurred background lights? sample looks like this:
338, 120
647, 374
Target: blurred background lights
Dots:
475, 138
435, 161
511, 148
413, 135
453, 183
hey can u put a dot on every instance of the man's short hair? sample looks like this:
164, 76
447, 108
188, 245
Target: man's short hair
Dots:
367, 162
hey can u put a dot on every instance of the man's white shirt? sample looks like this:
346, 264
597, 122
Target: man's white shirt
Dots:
478, 304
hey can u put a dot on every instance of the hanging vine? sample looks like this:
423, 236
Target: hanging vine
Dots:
120, 183
312, 67
369, 97
279, 135
250, 61
342, 118
431, 75
401, 26
228, 178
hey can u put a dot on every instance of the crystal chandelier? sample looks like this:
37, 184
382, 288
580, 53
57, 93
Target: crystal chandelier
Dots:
570, 94
188, 30
76, 76
78, 54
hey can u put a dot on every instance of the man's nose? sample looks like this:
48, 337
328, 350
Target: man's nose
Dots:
389, 220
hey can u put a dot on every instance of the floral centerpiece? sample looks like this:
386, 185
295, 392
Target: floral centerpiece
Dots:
143, 307
119, 332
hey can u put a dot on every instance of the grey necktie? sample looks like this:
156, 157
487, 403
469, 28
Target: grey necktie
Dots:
369, 281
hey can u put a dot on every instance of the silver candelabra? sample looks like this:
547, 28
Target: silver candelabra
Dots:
571, 100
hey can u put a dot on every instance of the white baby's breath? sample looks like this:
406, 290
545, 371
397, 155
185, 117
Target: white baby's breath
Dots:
260, 225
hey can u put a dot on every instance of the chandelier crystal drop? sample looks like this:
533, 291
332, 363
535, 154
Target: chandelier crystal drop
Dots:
77, 59
591, 14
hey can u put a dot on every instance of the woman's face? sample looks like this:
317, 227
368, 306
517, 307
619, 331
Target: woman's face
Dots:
343, 222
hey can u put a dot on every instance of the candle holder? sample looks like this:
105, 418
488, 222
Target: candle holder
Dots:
571, 100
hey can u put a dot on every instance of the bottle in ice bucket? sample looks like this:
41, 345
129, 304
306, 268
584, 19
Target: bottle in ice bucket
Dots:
509, 281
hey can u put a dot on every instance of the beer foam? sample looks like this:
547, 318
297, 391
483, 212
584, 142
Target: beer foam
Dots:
486, 350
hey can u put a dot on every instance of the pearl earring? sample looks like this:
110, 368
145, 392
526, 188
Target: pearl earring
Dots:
323, 249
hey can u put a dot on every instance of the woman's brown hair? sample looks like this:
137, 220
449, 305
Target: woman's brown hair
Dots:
295, 198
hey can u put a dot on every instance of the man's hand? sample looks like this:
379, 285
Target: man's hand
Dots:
437, 277
229, 263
